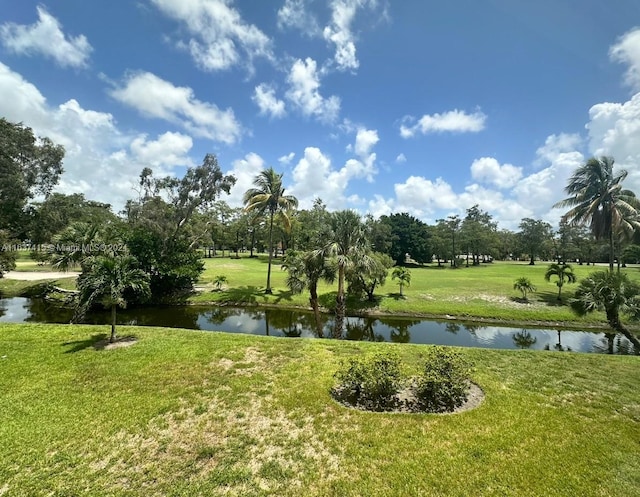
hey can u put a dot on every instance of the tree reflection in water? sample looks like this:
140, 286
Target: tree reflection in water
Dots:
523, 339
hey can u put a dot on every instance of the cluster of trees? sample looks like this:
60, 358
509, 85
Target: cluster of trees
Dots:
152, 250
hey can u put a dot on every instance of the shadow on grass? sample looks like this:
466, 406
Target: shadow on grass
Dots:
396, 296
95, 341
242, 294
551, 299
100, 342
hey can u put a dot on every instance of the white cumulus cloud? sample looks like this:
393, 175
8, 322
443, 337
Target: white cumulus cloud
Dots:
340, 31
286, 159
46, 38
401, 159
245, 170
304, 92
627, 51
220, 38
489, 170
170, 149
297, 14
454, 121
315, 177
264, 97
155, 97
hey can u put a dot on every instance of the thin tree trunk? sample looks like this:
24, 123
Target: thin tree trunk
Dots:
313, 300
340, 305
113, 324
268, 290
611, 251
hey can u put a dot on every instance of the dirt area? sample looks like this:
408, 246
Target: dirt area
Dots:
39, 275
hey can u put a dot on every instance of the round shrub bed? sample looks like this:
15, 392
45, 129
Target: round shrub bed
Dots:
378, 383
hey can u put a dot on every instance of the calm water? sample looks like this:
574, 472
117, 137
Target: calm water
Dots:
284, 323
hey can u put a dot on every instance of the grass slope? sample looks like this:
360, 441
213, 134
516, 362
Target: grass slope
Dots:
191, 413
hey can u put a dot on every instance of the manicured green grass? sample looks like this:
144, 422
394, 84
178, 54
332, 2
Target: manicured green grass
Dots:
484, 292
186, 413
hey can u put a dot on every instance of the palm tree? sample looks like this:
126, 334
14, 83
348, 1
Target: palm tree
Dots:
347, 243
403, 275
613, 293
524, 285
597, 199
562, 272
107, 279
305, 270
268, 196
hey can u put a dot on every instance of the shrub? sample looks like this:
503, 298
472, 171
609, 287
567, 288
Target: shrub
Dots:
371, 383
444, 382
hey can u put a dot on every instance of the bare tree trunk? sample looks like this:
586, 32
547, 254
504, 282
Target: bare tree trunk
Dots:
313, 300
113, 324
340, 305
268, 290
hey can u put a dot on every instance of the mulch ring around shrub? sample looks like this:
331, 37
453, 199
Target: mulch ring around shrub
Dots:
406, 402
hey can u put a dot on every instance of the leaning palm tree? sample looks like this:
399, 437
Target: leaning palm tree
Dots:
597, 199
562, 272
613, 293
268, 197
347, 242
106, 280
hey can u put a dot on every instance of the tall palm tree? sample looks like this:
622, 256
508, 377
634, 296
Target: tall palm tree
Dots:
562, 272
347, 243
268, 197
613, 293
598, 199
107, 279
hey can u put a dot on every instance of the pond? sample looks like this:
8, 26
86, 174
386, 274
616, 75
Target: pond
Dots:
295, 323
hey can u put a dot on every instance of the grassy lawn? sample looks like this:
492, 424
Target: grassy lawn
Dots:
484, 292
192, 413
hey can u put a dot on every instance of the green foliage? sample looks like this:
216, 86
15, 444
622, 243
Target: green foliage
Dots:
370, 383
533, 235
375, 382
109, 280
8, 256
29, 166
562, 272
410, 236
597, 199
364, 276
524, 285
267, 197
615, 294
443, 384
219, 280
403, 275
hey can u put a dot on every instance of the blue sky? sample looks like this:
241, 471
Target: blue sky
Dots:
379, 106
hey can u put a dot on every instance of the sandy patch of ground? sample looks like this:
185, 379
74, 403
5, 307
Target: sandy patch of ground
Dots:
39, 275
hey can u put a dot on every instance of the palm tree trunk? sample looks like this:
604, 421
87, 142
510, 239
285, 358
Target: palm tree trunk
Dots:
268, 290
340, 305
113, 324
313, 300
611, 252
614, 322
